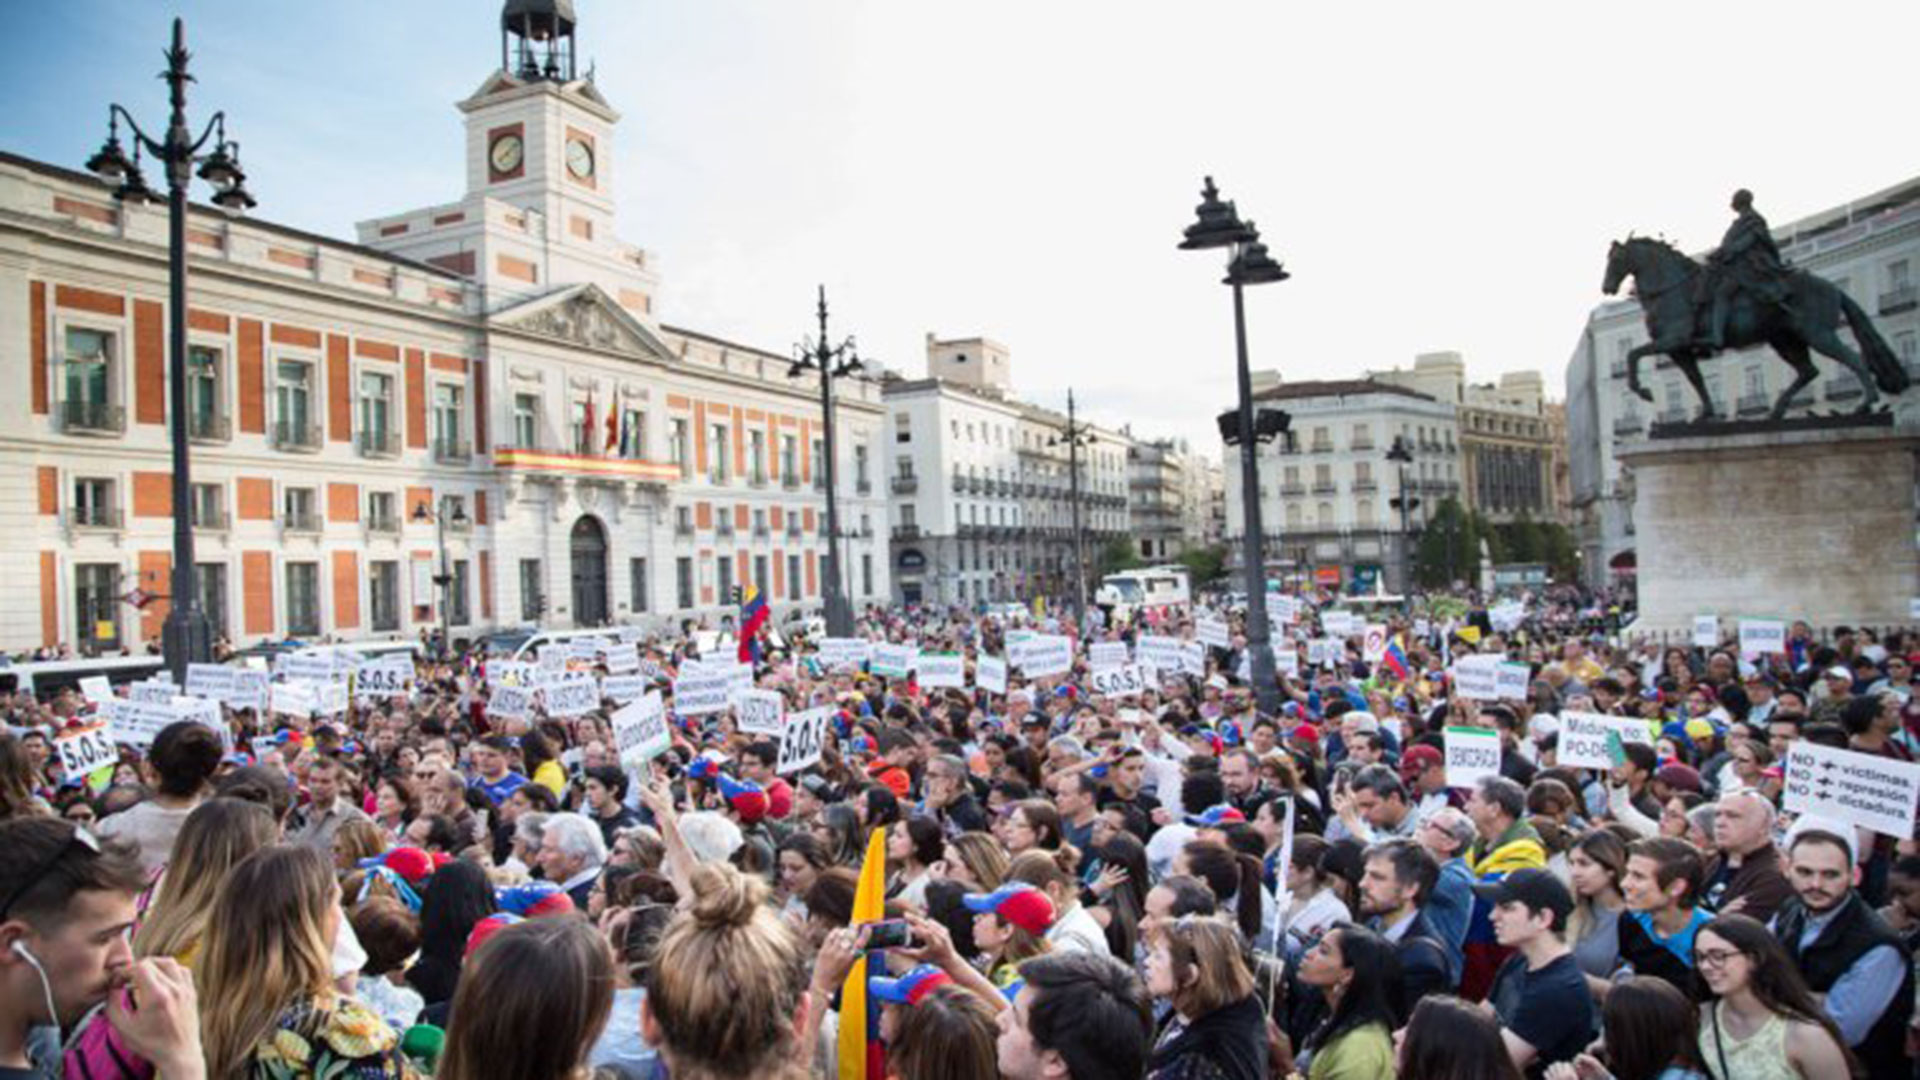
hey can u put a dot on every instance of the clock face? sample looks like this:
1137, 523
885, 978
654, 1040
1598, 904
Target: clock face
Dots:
506, 153
579, 158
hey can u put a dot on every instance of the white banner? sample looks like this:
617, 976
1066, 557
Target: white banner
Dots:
1583, 738
1706, 631
1119, 682
1106, 655
295, 698
640, 730
893, 661
1341, 624
1477, 677
137, 722
249, 689
1512, 681
152, 692
803, 738
314, 667
702, 689
1472, 755
1762, 637
1282, 608
97, 689
1193, 659
553, 658
510, 702
1212, 632
935, 670
838, 654
213, 681
1158, 652
1043, 655
990, 674
576, 695
84, 749
621, 689
621, 658
1373, 642
1286, 660
1866, 790
386, 678
760, 712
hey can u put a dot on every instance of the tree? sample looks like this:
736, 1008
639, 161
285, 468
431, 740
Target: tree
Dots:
1449, 549
1117, 555
1524, 541
1204, 565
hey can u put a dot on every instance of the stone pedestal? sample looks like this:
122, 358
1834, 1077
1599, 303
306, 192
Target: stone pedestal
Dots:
1810, 524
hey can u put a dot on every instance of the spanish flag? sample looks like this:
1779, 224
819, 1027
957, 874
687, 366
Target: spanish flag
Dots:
859, 1053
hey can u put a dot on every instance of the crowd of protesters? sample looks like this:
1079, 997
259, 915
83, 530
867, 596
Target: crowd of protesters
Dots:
1171, 884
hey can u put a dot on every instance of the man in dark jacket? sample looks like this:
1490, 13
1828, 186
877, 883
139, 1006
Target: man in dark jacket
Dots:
1746, 877
1850, 957
1398, 881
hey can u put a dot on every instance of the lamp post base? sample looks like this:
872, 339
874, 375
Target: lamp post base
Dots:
186, 638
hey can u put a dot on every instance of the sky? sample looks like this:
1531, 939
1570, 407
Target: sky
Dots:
1434, 176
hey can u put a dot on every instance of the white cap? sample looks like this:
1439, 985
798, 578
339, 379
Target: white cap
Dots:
1838, 672
1813, 823
1360, 720
1543, 725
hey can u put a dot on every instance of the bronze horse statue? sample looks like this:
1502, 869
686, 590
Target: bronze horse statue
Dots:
1807, 322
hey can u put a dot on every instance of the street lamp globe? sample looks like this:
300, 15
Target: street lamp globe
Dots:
1216, 224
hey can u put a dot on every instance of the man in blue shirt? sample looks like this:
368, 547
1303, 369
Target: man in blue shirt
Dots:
493, 773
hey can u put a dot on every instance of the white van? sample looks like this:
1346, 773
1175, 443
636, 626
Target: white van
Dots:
1121, 595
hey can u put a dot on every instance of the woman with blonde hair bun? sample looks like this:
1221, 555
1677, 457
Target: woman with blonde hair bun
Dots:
727, 992
268, 1004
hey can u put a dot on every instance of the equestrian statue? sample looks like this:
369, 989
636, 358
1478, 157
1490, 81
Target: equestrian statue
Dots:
1746, 295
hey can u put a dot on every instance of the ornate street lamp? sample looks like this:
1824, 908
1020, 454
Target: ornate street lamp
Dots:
1218, 225
186, 637
1073, 437
444, 579
831, 361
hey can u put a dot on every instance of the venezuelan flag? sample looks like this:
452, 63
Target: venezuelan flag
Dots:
1395, 660
859, 1052
753, 616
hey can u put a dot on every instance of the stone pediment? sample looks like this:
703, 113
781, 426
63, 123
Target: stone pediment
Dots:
582, 315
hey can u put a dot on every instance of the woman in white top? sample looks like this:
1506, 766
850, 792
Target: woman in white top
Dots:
1765, 1025
1315, 907
1074, 928
914, 845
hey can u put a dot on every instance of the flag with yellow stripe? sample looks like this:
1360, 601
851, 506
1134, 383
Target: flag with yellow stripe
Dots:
860, 1055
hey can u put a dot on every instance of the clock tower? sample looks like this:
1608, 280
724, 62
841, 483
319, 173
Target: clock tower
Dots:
539, 209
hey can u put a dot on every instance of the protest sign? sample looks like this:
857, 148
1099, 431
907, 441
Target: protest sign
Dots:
990, 674
1373, 642
97, 689
1867, 790
621, 658
294, 698
631, 634
1762, 637
586, 650
1706, 631
1286, 660
1422, 629
135, 723
802, 739
1473, 754
1157, 652
152, 692
84, 749
1212, 632
553, 657
760, 712
621, 689
702, 689
1341, 624
640, 730
214, 681
204, 712
1106, 655
1583, 738
330, 698
1506, 617
1477, 677
1282, 608
840, 653
313, 667
510, 702
941, 669
575, 695
1193, 659
391, 677
1512, 681
651, 671
893, 661
249, 689
1119, 682
1043, 655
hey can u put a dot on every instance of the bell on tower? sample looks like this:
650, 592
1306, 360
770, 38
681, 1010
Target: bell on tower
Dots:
536, 39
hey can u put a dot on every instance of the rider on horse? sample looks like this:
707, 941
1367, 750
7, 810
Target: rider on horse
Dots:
1747, 259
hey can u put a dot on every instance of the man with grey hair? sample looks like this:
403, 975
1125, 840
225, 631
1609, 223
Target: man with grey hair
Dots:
1746, 877
571, 854
1447, 835
949, 796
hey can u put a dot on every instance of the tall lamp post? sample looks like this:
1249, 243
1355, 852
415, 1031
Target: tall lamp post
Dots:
1074, 436
187, 636
444, 579
1401, 454
1218, 225
831, 361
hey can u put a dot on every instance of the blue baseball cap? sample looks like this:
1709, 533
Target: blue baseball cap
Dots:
911, 988
1018, 903
1215, 816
